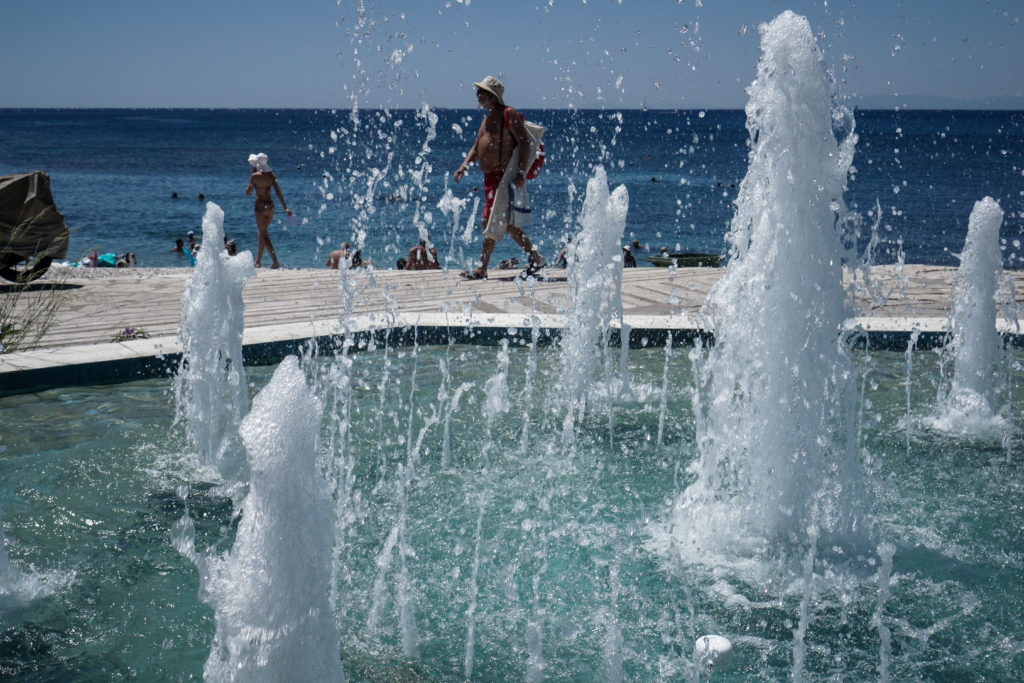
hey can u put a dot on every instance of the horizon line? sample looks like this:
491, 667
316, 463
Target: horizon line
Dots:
893, 108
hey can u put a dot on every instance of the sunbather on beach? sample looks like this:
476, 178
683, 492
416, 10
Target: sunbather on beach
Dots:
335, 258
420, 258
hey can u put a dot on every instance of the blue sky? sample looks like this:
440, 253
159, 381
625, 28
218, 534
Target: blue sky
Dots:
550, 53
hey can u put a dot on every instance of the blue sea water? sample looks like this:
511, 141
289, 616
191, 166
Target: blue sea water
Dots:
375, 177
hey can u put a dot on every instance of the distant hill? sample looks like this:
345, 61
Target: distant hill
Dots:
935, 102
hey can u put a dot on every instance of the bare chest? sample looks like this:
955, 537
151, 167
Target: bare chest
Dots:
494, 135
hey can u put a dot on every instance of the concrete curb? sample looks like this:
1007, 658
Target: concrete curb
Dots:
145, 358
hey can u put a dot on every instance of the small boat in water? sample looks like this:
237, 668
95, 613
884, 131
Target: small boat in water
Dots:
686, 260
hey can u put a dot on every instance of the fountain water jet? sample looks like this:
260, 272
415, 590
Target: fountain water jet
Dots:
970, 405
592, 262
496, 403
210, 388
775, 401
270, 593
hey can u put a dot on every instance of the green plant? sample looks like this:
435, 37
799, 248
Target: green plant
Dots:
28, 307
28, 311
130, 333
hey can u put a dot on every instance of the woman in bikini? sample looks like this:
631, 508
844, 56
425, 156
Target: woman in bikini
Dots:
262, 179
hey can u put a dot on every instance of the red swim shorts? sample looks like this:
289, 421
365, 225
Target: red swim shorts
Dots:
491, 183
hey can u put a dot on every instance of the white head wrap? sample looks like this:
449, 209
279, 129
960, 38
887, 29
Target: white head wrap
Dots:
259, 162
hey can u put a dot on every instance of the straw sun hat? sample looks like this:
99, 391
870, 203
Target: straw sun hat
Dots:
493, 86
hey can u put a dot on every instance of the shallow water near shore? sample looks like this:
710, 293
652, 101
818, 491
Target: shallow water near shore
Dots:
570, 580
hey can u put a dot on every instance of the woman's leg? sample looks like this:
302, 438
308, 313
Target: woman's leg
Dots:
263, 219
259, 239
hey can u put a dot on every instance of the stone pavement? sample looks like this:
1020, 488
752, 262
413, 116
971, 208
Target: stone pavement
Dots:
289, 306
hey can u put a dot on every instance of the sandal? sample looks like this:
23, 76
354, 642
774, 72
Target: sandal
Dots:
533, 269
473, 275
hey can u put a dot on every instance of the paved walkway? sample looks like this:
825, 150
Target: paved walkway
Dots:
294, 304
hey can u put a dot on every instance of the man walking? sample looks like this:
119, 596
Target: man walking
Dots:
502, 147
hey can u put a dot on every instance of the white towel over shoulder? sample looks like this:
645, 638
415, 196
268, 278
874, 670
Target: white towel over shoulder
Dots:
511, 204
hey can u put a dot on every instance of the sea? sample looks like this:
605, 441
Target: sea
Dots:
135, 180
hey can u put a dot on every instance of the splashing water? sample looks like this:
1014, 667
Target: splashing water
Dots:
270, 592
449, 205
20, 588
971, 404
775, 406
5, 565
495, 404
594, 261
210, 388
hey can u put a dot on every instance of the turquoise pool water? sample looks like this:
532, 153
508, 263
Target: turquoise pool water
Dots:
549, 552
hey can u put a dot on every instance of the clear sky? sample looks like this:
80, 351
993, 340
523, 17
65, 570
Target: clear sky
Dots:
550, 53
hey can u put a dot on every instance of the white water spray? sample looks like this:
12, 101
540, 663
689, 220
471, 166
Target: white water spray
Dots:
885, 553
612, 642
496, 403
270, 593
971, 403
526, 398
774, 428
473, 591
535, 627
210, 388
663, 404
908, 427
19, 588
384, 558
591, 272
450, 206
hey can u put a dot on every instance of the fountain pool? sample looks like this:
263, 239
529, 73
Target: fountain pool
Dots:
567, 582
